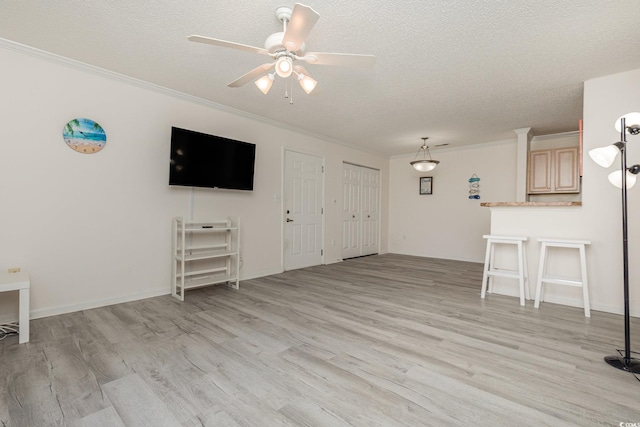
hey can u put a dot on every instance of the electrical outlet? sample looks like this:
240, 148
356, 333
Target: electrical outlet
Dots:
14, 270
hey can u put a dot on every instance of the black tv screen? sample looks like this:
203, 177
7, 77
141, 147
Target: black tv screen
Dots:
201, 160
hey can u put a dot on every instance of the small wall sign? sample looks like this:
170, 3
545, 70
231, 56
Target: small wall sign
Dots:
84, 136
426, 185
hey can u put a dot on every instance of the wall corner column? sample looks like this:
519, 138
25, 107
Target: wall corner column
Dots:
524, 142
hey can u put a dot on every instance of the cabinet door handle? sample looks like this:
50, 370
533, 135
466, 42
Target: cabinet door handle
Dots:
289, 220
353, 216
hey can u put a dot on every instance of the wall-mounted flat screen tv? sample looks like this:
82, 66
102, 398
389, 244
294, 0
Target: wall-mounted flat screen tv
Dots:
201, 160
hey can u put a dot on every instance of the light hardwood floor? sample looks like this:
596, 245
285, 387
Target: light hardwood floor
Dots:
385, 340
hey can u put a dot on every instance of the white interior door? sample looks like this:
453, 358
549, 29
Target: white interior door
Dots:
303, 191
370, 210
360, 211
351, 179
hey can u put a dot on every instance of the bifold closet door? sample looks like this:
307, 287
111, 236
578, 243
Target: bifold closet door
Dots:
370, 200
351, 177
360, 210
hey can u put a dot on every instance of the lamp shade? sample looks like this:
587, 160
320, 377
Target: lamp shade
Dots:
264, 83
424, 165
604, 156
308, 84
616, 179
631, 120
284, 66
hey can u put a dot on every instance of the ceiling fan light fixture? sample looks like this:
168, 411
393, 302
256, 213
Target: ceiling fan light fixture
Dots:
284, 66
308, 84
264, 83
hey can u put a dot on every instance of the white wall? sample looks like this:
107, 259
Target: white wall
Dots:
447, 224
606, 99
96, 229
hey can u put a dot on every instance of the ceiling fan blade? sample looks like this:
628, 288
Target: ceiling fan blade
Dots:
251, 75
303, 18
300, 70
232, 45
344, 59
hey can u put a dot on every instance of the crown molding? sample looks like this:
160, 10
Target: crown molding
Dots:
82, 66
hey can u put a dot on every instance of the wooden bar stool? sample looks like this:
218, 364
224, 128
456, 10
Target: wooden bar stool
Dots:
580, 282
490, 270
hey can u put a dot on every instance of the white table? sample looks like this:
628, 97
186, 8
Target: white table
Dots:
19, 282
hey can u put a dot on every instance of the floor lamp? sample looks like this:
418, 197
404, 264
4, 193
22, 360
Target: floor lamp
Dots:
624, 178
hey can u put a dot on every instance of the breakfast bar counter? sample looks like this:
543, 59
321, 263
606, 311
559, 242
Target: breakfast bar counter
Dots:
540, 220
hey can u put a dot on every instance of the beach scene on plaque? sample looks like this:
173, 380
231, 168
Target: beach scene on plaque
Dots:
84, 136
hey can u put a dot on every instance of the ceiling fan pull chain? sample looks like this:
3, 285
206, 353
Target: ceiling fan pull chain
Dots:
291, 89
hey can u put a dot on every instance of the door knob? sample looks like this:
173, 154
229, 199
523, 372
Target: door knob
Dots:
289, 220
353, 216
368, 216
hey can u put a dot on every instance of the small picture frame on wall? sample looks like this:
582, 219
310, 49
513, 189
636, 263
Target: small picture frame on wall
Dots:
426, 185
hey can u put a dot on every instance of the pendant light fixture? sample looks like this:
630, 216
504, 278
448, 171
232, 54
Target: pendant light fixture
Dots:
424, 165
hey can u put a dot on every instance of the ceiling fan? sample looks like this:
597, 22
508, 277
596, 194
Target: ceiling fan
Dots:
286, 48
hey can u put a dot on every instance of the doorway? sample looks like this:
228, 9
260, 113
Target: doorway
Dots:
303, 210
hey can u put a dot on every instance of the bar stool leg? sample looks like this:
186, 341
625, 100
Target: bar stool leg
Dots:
492, 263
485, 274
527, 293
521, 273
585, 283
541, 269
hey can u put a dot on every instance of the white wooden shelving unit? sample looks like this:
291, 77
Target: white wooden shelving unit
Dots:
205, 253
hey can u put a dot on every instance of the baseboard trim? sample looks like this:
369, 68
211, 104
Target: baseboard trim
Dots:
475, 261
570, 302
260, 273
87, 305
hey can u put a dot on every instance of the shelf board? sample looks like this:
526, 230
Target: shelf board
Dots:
204, 281
206, 230
204, 271
205, 255
214, 222
203, 247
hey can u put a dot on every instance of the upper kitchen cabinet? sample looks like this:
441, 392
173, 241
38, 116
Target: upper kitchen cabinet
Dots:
553, 171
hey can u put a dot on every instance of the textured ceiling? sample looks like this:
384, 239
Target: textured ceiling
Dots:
460, 72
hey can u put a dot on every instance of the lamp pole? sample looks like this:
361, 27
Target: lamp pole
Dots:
625, 363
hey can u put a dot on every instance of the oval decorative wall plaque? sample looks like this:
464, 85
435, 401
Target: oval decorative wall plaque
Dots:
84, 136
